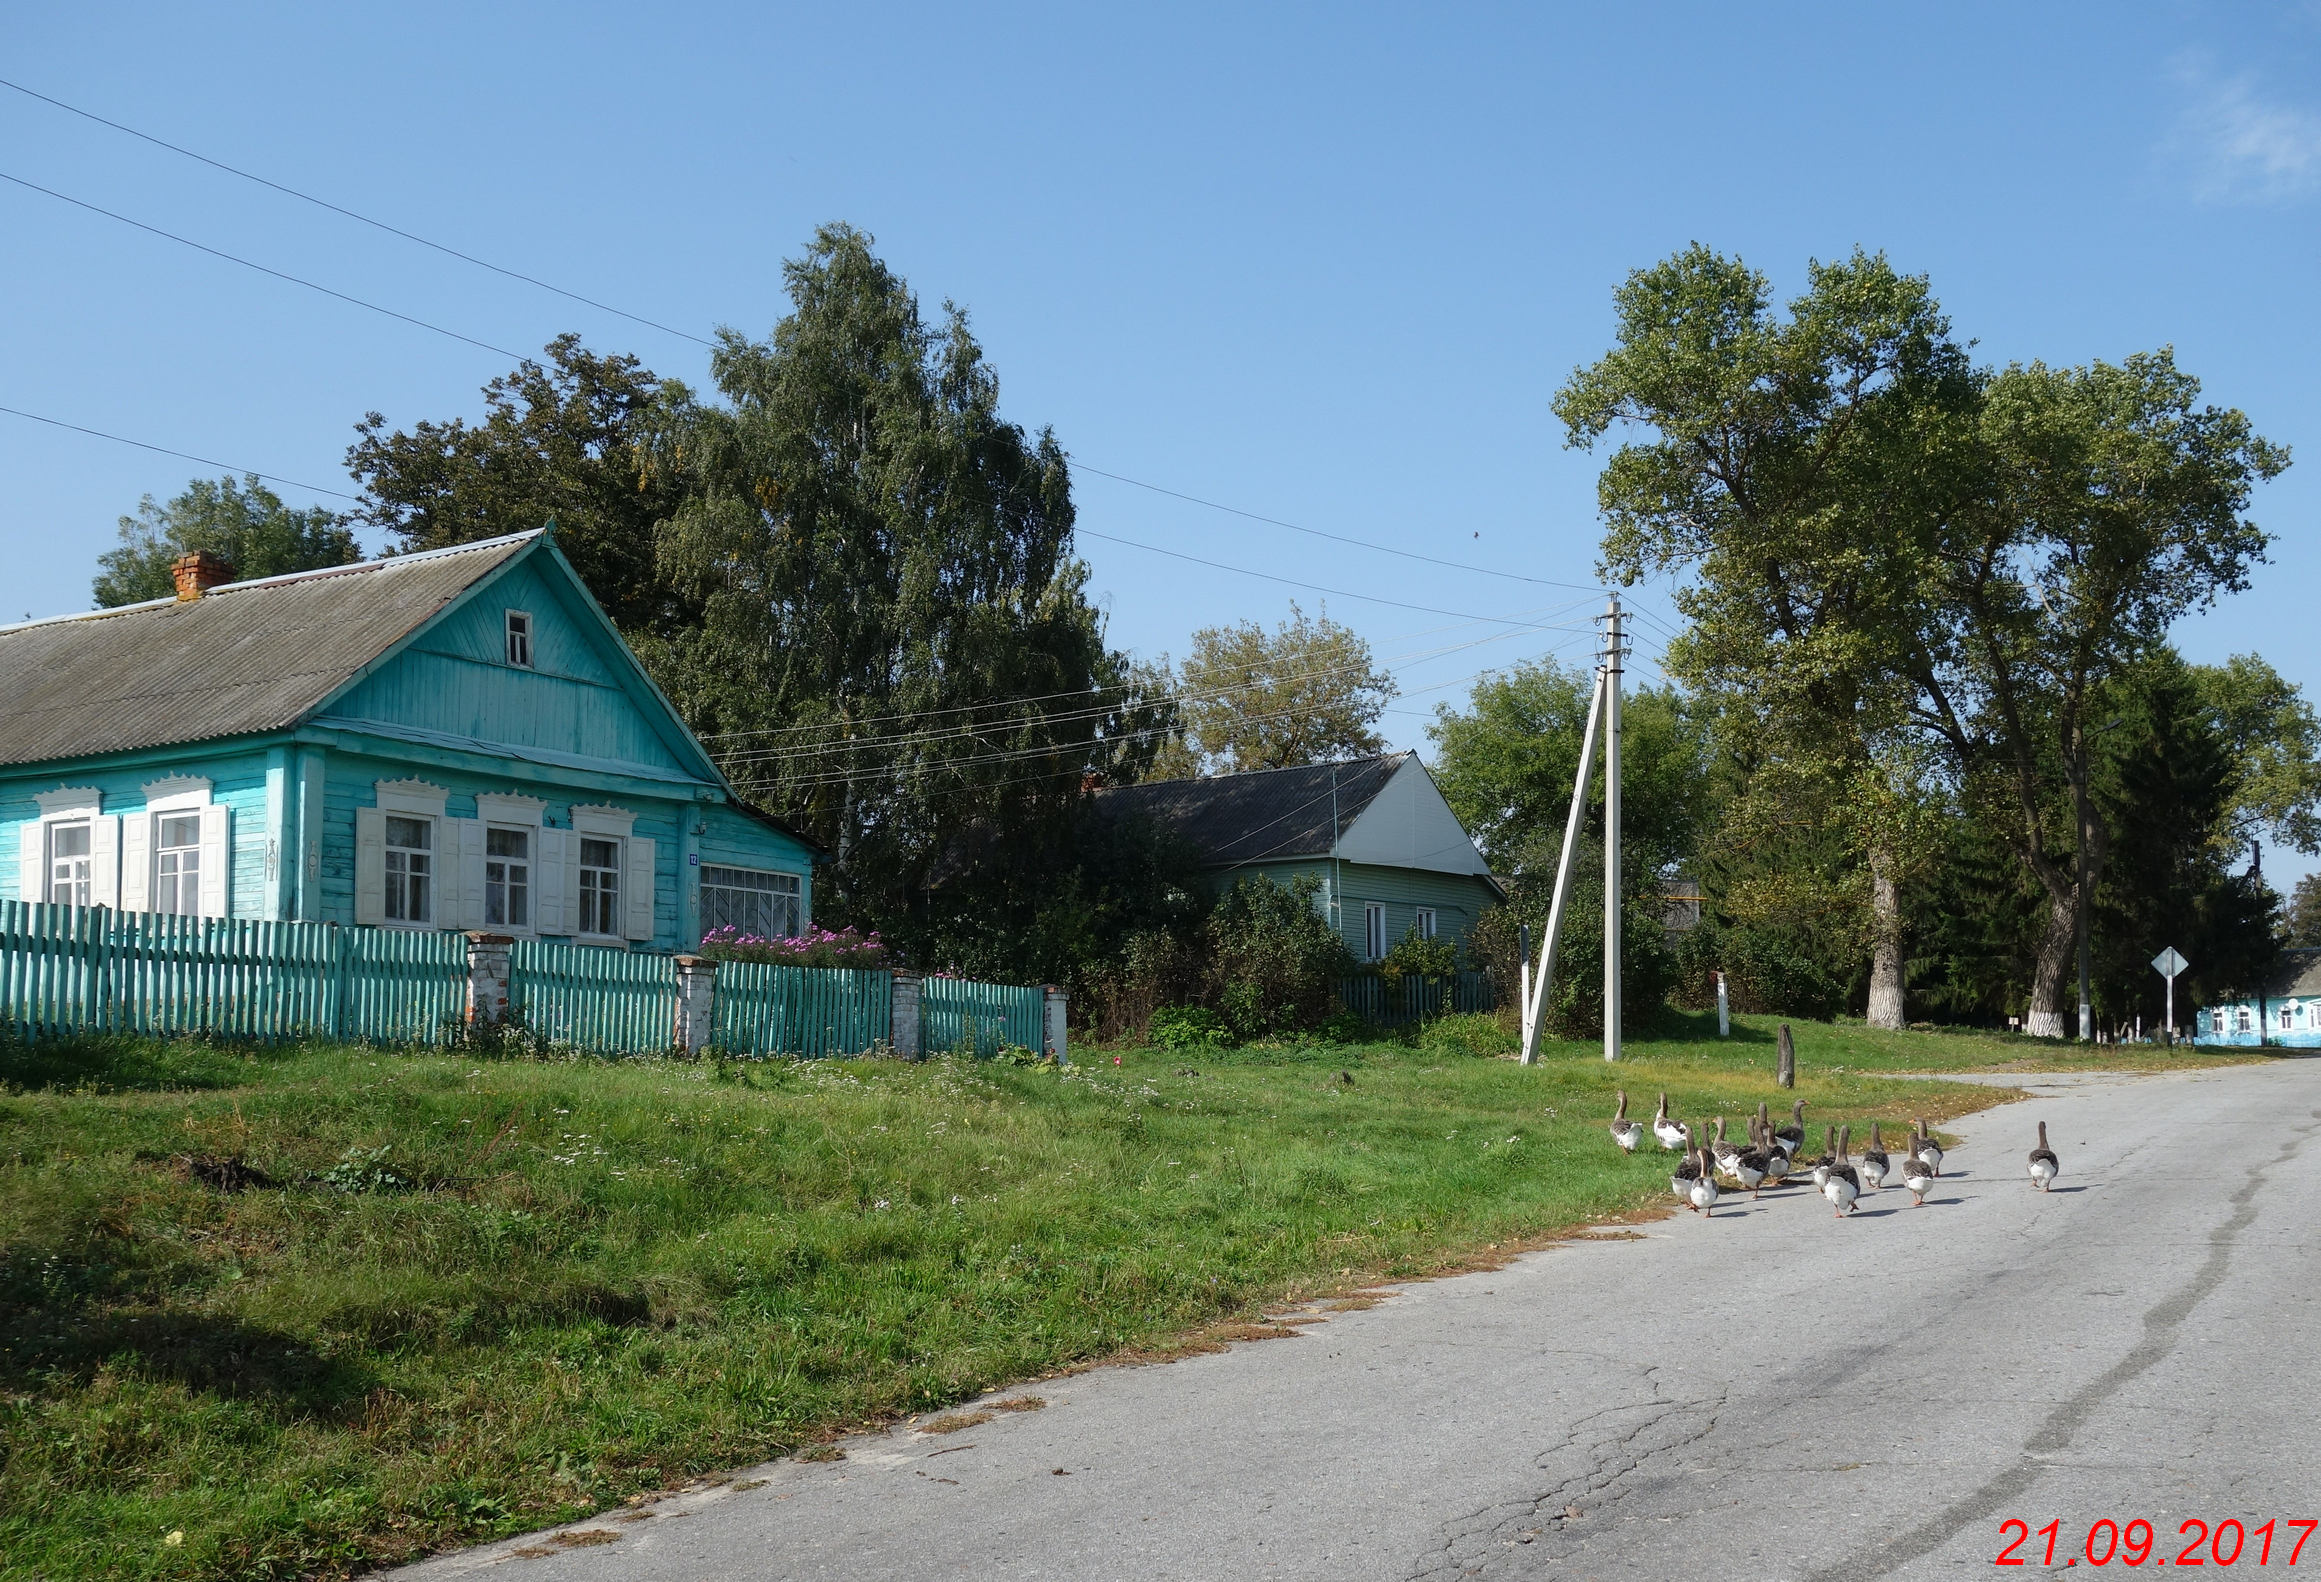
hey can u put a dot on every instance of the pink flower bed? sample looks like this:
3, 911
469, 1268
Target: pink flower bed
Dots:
817, 947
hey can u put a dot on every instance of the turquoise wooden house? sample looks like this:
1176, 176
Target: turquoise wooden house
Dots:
451, 740
1389, 855
2285, 1014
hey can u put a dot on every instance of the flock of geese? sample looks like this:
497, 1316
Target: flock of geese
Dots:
1772, 1156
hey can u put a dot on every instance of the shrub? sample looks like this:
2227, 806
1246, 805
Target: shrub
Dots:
1274, 959
1471, 1033
1157, 968
1765, 971
1188, 1029
1414, 957
817, 947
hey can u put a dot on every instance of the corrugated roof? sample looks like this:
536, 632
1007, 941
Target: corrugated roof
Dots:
1265, 814
245, 657
2299, 975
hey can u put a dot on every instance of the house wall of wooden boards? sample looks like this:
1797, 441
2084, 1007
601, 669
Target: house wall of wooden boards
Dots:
1349, 889
477, 749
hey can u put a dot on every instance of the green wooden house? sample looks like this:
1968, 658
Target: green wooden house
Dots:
1387, 851
450, 740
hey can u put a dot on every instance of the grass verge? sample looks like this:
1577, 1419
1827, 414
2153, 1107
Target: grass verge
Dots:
308, 1311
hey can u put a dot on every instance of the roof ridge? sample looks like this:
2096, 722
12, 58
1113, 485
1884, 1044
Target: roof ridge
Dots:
378, 563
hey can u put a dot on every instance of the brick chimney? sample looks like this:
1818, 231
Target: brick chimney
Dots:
199, 572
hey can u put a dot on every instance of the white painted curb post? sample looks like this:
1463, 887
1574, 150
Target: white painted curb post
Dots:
1724, 1010
696, 1004
904, 1031
1055, 1009
487, 979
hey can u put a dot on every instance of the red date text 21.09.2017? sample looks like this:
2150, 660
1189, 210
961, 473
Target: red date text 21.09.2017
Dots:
2230, 1542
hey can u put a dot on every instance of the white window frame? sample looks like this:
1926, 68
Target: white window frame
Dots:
1425, 921
516, 634
72, 805
86, 885
797, 892
2243, 1022
156, 819
620, 874
435, 866
510, 811
425, 801
1373, 931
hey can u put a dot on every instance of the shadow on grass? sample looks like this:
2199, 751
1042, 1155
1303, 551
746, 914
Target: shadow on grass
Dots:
100, 1064
216, 1356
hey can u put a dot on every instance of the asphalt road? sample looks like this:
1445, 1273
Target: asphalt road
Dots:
1771, 1395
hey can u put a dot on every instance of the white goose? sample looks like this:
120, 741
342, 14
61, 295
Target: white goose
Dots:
2045, 1167
1792, 1136
1704, 1187
1875, 1163
1842, 1186
1917, 1175
1928, 1149
1749, 1165
1673, 1133
1680, 1176
1822, 1166
1724, 1151
1625, 1132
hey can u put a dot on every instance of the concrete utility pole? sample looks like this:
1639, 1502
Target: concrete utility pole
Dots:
1539, 978
1612, 830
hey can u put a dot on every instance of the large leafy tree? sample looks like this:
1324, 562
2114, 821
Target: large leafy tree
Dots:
568, 439
1305, 692
2275, 742
1766, 454
1887, 544
244, 523
2079, 513
895, 648
1507, 761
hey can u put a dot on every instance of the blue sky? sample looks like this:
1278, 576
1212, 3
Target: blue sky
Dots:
1325, 265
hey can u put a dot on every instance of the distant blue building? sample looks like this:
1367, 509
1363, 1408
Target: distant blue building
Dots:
450, 740
2288, 1012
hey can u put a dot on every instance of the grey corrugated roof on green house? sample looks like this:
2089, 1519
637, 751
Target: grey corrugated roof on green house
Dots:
1261, 815
243, 658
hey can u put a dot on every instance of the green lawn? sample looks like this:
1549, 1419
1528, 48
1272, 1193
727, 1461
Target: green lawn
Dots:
316, 1309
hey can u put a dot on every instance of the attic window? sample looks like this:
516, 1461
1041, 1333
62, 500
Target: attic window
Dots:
519, 639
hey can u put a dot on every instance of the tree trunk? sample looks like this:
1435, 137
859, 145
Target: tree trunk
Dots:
1785, 1066
1885, 944
2051, 980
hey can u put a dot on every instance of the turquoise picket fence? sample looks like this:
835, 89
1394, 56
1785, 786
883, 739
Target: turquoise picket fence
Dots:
90, 969
1398, 1003
587, 997
960, 1014
768, 1010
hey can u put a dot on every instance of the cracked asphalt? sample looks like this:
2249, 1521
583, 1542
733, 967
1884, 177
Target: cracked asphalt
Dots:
1774, 1394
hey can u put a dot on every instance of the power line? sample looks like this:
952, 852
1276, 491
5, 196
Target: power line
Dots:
1311, 587
1181, 696
199, 247
163, 450
324, 203
830, 777
771, 752
1337, 538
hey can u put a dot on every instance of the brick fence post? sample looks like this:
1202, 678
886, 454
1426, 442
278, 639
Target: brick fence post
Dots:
487, 979
904, 1032
696, 1004
1055, 1027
